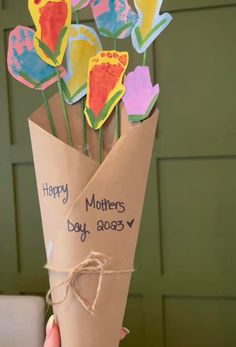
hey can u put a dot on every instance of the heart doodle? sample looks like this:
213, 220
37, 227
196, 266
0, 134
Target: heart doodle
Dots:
130, 224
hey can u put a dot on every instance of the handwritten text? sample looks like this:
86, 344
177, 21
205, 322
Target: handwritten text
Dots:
104, 205
56, 192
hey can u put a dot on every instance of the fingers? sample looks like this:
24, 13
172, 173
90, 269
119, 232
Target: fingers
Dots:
52, 334
49, 325
124, 333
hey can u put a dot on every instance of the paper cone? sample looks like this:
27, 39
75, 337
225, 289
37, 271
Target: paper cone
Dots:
121, 180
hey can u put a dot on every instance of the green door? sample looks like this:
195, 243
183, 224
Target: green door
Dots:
184, 292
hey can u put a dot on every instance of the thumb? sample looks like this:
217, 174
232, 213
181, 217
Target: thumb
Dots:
52, 334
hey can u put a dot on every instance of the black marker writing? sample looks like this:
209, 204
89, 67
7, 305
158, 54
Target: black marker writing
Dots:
56, 192
78, 228
115, 225
104, 205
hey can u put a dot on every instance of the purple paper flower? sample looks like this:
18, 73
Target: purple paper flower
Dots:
141, 95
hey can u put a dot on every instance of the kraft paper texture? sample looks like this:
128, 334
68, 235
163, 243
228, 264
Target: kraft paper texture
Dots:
86, 207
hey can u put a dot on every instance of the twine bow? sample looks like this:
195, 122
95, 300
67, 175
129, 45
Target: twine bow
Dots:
95, 263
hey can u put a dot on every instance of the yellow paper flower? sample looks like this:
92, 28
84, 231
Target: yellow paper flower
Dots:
105, 88
150, 23
84, 44
52, 19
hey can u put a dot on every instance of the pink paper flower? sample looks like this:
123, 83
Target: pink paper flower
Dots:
79, 4
25, 65
141, 95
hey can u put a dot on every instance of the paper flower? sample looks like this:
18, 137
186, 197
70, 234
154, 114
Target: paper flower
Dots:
140, 95
114, 18
24, 63
79, 4
150, 23
84, 44
105, 88
52, 20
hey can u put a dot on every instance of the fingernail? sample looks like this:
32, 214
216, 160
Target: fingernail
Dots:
124, 333
49, 326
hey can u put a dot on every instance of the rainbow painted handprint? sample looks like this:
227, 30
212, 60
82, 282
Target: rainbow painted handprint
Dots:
25, 65
114, 18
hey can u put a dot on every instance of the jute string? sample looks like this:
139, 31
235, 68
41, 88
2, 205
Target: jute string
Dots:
95, 263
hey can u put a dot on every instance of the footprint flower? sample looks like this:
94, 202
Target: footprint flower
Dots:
84, 44
140, 96
105, 88
52, 19
114, 18
79, 4
150, 23
24, 64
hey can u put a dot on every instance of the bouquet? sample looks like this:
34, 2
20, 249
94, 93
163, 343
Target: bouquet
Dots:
92, 145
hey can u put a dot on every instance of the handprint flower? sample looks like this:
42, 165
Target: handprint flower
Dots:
114, 18
105, 88
140, 96
24, 63
84, 44
150, 23
52, 19
79, 4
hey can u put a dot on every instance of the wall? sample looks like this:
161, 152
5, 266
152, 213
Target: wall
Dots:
184, 292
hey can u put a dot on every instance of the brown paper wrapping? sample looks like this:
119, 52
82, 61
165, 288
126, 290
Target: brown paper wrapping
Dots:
122, 180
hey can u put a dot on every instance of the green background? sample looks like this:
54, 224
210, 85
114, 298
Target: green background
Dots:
184, 294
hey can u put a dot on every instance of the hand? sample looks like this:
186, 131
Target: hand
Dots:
53, 334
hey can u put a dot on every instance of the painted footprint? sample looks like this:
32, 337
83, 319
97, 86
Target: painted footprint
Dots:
114, 18
105, 88
52, 19
83, 44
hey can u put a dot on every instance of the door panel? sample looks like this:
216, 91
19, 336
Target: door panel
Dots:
200, 322
196, 69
